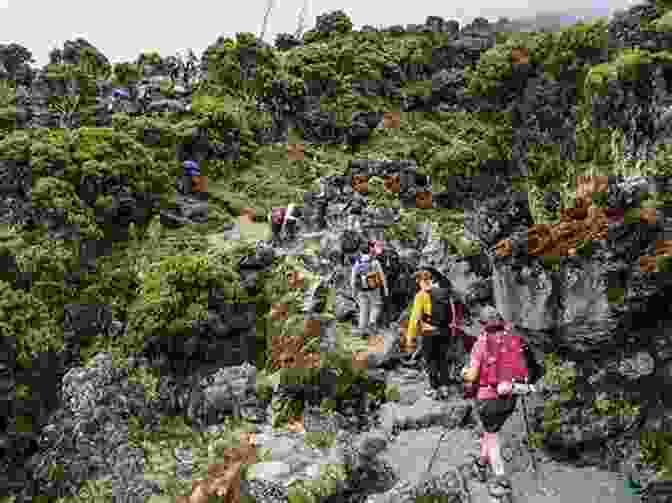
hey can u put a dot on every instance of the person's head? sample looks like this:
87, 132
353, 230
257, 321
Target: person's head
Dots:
490, 319
423, 281
375, 247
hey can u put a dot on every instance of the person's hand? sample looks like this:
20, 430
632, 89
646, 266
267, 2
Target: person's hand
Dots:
469, 374
504, 388
426, 327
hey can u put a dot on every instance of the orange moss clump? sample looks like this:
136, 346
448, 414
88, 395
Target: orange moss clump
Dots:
663, 249
360, 183
392, 183
584, 222
391, 120
224, 478
287, 352
295, 151
247, 215
376, 344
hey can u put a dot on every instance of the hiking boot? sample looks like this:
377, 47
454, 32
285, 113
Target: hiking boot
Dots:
500, 490
480, 470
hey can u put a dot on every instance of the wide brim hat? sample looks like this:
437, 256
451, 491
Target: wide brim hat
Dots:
490, 316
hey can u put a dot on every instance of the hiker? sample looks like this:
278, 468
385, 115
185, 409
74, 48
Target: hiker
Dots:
191, 176
291, 221
367, 280
277, 219
443, 342
497, 370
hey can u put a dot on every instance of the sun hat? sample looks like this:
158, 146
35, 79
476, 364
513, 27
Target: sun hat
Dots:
490, 315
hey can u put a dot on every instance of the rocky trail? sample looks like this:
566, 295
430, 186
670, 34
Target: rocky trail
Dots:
409, 430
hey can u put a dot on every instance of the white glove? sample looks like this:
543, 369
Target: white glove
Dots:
504, 388
523, 389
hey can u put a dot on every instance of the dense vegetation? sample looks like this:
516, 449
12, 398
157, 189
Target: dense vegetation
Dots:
159, 279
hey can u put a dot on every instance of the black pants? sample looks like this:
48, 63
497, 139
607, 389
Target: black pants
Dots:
444, 356
495, 412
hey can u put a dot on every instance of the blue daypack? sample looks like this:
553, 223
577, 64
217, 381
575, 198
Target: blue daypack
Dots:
367, 278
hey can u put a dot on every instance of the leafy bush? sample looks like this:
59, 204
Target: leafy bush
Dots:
560, 377
626, 65
52, 193
320, 439
656, 451
27, 320
126, 74
226, 60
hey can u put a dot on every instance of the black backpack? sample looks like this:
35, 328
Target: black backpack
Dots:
441, 311
535, 370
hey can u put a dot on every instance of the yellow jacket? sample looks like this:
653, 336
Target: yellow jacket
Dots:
421, 305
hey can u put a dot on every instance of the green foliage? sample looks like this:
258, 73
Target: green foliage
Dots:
584, 248
16, 146
615, 295
342, 26
560, 378
225, 60
81, 89
320, 439
148, 379
328, 406
174, 293
27, 320
616, 408
126, 74
460, 142
656, 451
392, 393
313, 491
552, 51
223, 113
56, 194
551, 263
625, 66
664, 263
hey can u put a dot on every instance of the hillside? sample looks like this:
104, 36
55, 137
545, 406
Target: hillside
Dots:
498, 142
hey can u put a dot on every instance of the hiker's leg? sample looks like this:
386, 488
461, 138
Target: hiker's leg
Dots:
364, 306
496, 455
485, 448
376, 308
430, 347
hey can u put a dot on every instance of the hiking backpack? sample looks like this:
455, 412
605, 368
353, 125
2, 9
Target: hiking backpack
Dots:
367, 278
278, 215
442, 312
504, 358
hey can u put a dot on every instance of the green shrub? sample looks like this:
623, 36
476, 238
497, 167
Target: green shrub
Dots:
656, 451
584, 248
126, 74
320, 439
615, 295
27, 320
560, 377
223, 62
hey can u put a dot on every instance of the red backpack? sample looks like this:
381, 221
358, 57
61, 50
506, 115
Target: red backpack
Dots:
504, 358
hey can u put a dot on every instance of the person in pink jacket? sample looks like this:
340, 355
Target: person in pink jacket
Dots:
497, 366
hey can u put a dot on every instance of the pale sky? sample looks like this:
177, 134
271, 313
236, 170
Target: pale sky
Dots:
122, 29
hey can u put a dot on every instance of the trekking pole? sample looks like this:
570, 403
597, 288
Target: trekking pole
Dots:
436, 451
